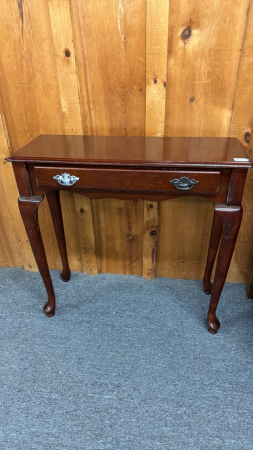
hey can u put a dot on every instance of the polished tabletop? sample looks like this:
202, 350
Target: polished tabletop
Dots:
135, 151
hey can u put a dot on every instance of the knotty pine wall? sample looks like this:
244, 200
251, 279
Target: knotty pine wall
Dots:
123, 67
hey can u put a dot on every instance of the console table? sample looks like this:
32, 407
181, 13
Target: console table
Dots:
149, 168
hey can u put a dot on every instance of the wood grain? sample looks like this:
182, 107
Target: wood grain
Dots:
85, 227
150, 230
17, 84
15, 249
157, 16
110, 50
203, 69
157, 13
66, 65
242, 113
28, 85
184, 230
119, 236
9, 256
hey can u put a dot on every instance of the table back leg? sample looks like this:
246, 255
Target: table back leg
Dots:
53, 198
28, 207
231, 217
212, 252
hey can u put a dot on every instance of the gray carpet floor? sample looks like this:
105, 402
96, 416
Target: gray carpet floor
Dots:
125, 363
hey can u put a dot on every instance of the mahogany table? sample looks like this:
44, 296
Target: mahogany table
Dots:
149, 168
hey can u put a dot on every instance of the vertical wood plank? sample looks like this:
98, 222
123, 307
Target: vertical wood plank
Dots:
157, 16
110, 49
65, 59
242, 114
109, 43
182, 239
10, 254
15, 249
28, 82
85, 227
150, 230
17, 86
66, 65
157, 13
119, 236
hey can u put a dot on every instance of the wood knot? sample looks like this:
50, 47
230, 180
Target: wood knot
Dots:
186, 34
247, 137
67, 53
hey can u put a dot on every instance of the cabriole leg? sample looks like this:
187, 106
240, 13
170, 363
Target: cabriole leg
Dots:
28, 207
53, 198
231, 217
212, 252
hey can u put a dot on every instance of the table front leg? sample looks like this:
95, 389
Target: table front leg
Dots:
231, 217
212, 252
53, 198
28, 207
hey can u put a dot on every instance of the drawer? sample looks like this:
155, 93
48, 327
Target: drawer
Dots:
202, 182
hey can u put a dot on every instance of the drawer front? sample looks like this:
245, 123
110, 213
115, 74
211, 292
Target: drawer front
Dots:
184, 181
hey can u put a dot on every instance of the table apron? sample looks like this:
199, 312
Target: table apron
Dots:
132, 183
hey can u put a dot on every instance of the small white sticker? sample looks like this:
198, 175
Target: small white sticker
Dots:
241, 159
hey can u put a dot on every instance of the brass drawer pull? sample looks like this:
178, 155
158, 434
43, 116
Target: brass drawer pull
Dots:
66, 179
183, 183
